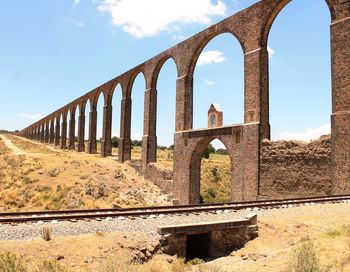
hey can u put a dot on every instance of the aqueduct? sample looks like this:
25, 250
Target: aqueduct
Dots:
243, 141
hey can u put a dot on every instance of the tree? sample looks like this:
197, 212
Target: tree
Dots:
221, 151
210, 149
115, 142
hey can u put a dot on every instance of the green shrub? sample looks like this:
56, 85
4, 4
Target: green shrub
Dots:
115, 142
305, 259
10, 263
333, 233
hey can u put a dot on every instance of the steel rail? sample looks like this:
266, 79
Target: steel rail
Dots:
148, 211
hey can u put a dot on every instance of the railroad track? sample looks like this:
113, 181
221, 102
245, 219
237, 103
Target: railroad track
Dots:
95, 214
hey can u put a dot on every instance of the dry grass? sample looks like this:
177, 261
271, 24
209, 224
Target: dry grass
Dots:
46, 233
47, 178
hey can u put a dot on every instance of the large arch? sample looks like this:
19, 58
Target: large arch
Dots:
276, 11
225, 87
293, 87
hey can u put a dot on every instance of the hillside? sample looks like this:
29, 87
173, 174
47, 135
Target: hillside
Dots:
34, 176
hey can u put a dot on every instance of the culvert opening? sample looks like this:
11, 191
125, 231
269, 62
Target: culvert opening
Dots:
198, 246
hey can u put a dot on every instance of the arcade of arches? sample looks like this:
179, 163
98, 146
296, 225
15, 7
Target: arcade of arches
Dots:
246, 143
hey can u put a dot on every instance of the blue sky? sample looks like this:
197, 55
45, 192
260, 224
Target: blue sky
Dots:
54, 51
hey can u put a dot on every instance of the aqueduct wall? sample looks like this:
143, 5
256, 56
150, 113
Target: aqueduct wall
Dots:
251, 27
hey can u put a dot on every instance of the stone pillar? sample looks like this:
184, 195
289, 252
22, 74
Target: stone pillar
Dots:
47, 133
42, 134
184, 103
57, 132
106, 143
64, 133
149, 139
92, 147
256, 93
125, 127
81, 133
52, 132
72, 132
340, 121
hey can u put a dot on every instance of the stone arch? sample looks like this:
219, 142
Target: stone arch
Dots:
99, 103
286, 91
131, 82
276, 11
202, 44
112, 90
225, 87
159, 67
195, 166
159, 93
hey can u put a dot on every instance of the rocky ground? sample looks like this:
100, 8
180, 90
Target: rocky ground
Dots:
34, 176
280, 232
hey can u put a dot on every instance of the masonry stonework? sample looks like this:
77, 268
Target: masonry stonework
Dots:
291, 169
251, 27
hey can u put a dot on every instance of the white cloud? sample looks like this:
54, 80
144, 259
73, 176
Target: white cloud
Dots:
211, 56
209, 82
270, 51
76, 2
80, 24
308, 135
29, 116
149, 18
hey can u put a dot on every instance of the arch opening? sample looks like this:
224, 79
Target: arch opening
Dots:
219, 79
211, 176
166, 111
87, 111
300, 103
99, 120
300, 71
137, 116
116, 102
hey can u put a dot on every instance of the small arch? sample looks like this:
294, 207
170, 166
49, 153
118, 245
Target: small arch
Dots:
210, 192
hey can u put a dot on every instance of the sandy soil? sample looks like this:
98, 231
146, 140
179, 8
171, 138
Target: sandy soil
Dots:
15, 150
